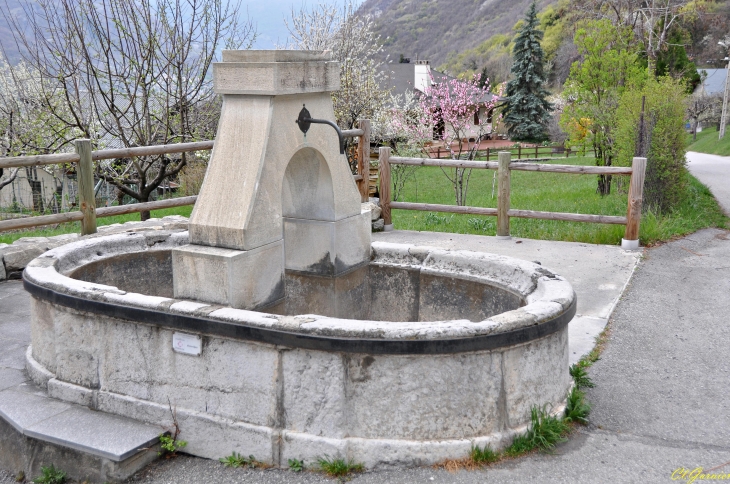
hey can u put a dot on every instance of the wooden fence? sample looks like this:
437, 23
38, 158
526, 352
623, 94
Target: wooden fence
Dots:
503, 212
84, 159
526, 152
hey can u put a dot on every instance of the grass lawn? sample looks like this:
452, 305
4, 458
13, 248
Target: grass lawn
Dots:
551, 192
75, 227
707, 142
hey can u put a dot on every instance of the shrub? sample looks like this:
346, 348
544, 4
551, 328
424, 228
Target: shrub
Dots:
51, 475
191, 177
664, 140
170, 445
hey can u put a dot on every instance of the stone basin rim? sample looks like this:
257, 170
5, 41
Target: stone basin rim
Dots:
225, 329
543, 315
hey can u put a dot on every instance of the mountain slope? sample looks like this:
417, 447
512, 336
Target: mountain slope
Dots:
433, 29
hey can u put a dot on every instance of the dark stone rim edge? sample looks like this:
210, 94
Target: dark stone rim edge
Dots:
227, 329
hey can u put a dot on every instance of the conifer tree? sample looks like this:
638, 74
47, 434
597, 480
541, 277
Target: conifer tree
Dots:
527, 111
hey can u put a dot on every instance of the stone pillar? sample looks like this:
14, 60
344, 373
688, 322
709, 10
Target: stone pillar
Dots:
273, 198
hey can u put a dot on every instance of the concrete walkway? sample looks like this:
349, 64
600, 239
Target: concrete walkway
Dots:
713, 171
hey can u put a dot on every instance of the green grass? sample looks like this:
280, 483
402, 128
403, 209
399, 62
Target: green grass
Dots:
338, 467
483, 455
707, 142
580, 376
576, 407
544, 432
237, 460
75, 227
551, 192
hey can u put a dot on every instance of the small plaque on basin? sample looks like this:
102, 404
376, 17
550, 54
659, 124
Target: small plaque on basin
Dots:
188, 344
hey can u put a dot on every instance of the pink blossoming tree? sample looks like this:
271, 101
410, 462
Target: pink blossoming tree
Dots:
447, 113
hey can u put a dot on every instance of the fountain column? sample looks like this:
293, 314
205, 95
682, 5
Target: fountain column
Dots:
273, 198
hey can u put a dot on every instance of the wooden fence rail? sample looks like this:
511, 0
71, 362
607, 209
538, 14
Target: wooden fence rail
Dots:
84, 159
503, 212
529, 152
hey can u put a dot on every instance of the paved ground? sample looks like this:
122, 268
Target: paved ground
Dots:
713, 171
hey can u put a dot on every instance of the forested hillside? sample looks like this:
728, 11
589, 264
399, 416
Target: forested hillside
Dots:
466, 36
432, 29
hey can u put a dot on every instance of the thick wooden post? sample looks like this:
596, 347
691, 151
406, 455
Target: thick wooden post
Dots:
363, 159
536, 155
384, 168
85, 172
633, 213
503, 194
519, 152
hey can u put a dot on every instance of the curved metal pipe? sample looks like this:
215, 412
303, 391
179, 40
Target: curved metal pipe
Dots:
305, 121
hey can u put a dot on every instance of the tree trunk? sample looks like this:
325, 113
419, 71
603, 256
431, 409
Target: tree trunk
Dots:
604, 184
144, 197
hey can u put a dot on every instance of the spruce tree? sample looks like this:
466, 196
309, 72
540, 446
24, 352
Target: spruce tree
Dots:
527, 112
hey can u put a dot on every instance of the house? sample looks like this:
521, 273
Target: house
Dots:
713, 83
43, 191
416, 77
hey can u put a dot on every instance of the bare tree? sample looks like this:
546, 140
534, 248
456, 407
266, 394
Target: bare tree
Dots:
700, 105
10, 179
651, 20
131, 74
352, 40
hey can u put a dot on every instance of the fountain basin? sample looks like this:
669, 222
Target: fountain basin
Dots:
442, 350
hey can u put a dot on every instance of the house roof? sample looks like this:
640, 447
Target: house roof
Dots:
714, 82
402, 77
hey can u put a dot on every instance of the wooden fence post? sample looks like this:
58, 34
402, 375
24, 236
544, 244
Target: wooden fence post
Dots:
487, 153
384, 168
536, 155
519, 152
633, 213
503, 194
363, 159
85, 178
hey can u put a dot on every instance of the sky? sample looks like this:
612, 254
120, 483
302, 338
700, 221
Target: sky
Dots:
268, 15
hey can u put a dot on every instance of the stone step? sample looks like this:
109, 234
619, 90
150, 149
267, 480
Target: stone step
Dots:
36, 430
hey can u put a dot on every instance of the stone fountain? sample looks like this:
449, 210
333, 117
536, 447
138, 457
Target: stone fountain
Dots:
273, 325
